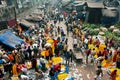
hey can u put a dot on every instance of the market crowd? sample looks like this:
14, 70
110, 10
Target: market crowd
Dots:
42, 42
47, 40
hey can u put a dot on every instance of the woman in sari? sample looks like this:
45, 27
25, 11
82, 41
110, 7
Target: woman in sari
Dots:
14, 69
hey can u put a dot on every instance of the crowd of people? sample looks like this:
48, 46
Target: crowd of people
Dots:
102, 52
98, 50
42, 42
47, 40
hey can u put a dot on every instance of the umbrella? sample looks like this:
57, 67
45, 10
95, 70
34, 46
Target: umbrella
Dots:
47, 44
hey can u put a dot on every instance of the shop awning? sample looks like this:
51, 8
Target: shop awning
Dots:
95, 5
26, 23
10, 39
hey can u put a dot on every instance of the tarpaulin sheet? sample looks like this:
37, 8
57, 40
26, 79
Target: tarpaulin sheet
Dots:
9, 39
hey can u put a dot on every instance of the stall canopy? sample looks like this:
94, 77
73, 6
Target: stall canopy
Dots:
24, 27
10, 39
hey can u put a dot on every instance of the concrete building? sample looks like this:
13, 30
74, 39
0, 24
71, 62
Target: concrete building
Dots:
2, 3
94, 12
119, 10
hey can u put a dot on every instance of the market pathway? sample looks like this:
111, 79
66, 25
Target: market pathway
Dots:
87, 72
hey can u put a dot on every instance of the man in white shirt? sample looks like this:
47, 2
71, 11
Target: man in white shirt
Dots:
75, 42
86, 43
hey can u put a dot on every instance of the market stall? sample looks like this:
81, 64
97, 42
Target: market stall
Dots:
10, 39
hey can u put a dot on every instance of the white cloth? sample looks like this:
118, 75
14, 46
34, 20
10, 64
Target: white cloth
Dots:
4, 60
75, 41
34, 45
22, 45
24, 77
24, 69
86, 41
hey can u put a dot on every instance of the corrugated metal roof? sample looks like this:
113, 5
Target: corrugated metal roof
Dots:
95, 4
25, 22
80, 3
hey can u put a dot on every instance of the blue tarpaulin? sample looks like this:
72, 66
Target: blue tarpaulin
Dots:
10, 39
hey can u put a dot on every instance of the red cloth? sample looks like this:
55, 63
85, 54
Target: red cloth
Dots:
20, 67
11, 57
88, 51
113, 75
105, 52
64, 13
115, 56
55, 42
57, 67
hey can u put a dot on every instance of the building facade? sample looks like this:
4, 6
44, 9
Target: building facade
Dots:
10, 8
